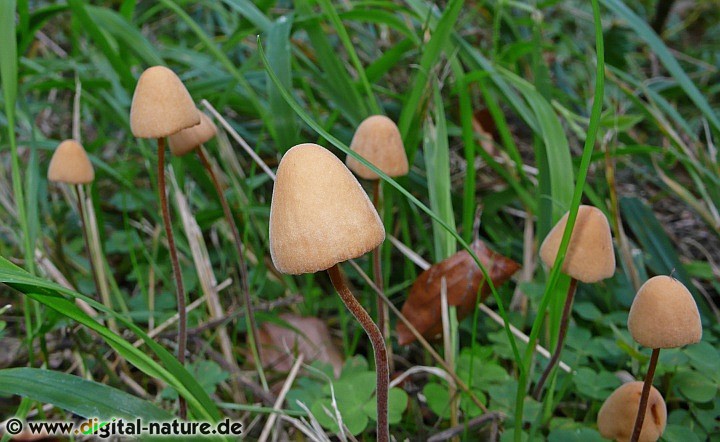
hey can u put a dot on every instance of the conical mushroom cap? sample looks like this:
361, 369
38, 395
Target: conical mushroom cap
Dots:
319, 215
161, 105
590, 256
664, 315
189, 139
378, 140
616, 419
70, 164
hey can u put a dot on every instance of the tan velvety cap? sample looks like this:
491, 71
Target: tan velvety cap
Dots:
319, 215
161, 105
664, 315
378, 140
590, 256
616, 419
70, 164
189, 139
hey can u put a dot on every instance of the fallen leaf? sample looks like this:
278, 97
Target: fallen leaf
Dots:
463, 278
484, 125
307, 336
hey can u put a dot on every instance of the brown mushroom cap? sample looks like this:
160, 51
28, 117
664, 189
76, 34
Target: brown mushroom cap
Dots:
378, 140
161, 105
189, 139
664, 315
616, 419
319, 215
590, 256
70, 164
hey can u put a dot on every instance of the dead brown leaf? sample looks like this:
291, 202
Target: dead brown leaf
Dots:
307, 336
463, 278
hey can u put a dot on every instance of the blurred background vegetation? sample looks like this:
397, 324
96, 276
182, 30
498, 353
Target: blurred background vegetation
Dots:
498, 93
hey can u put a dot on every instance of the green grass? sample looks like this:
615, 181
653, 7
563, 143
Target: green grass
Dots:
579, 116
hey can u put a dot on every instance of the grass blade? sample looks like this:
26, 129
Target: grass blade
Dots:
646, 33
88, 399
437, 164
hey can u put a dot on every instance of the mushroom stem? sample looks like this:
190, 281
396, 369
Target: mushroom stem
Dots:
376, 338
179, 289
242, 267
564, 321
645, 395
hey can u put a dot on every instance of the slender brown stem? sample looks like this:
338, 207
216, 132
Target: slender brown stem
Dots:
645, 395
242, 266
376, 338
179, 289
564, 321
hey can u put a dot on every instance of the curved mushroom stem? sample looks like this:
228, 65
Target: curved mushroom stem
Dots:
179, 289
376, 338
645, 395
242, 267
564, 321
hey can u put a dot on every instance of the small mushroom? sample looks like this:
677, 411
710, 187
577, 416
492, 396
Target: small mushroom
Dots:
663, 315
589, 258
378, 140
616, 418
187, 140
70, 164
319, 217
161, 106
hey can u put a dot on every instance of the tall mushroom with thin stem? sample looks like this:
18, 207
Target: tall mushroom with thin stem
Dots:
378, 140
319, 217
589, 258
663, 315
71, 165
616, 417
192, 139
161, 106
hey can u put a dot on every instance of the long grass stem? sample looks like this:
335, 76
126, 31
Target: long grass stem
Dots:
179, 289
378, 343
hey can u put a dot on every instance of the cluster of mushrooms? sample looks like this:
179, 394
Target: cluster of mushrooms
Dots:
320, 216
663, 315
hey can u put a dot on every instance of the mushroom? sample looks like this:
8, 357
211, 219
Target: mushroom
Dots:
192, 139
617, 414
319, 217
589, 258
161, 106
187, 140
663, 315
70, 164
378, 140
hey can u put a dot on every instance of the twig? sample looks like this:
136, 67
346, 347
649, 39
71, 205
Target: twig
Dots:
472, 423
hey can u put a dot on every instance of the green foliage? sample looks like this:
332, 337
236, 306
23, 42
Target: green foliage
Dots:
351, 395
571, 124
77, 395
